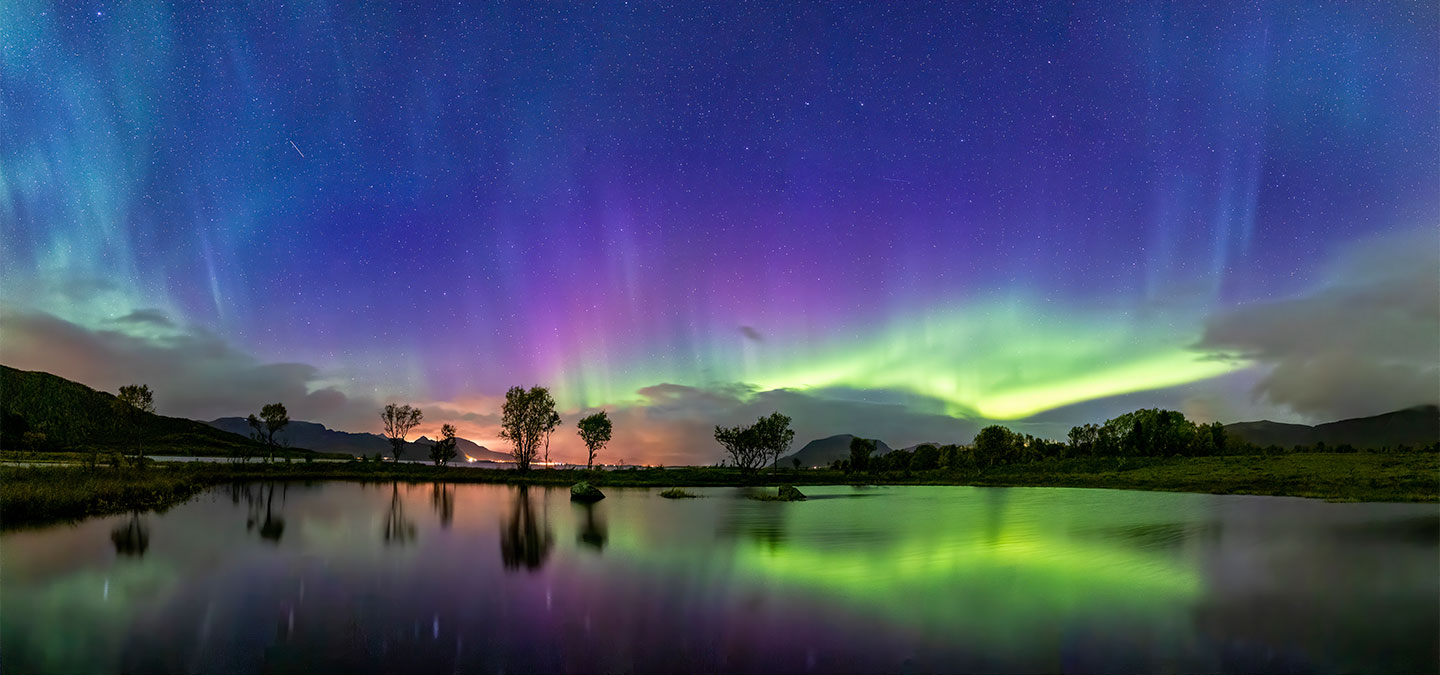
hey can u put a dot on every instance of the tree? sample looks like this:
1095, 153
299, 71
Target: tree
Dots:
595, 432
775, 436
926, 457
444, 448
860, 449
1084, 440
742, 443
133, 400
399, 421
551, 422
995, 445
526, 420
273, 417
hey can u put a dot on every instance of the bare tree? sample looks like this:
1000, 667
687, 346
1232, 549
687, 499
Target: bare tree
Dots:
399, 421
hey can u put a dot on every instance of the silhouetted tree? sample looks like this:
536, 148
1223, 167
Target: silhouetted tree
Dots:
444, 448
526, 420
860, 451
551, 422
741, 445
273, 417
926, 457
1084, 439
595, 432
795, 461
399, 421
775, 436
995, 445
133, 400
754, 446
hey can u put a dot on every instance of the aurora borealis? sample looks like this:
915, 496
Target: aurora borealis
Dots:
887, 219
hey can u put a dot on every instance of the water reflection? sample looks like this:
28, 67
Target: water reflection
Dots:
593, 532
525, 539
272, 528
442, 497
398, 530
931, 579
132, 537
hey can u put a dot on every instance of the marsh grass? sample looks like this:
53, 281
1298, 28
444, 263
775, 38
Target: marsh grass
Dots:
677, 493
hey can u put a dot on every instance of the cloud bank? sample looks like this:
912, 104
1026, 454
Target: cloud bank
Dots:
1367, 342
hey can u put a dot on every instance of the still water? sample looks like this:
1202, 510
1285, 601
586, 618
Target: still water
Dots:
489, 578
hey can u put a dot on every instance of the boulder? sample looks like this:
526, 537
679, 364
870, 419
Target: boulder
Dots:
585, 492
789, 493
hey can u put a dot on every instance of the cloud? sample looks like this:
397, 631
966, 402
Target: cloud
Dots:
751, 334
1367, 342
194, 373
673, 424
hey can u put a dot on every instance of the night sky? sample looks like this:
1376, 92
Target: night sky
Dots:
885, 219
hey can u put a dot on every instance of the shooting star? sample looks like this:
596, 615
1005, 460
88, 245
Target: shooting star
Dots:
895, 180
297, 149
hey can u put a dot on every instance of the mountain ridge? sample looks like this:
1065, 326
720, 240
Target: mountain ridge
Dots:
318, 437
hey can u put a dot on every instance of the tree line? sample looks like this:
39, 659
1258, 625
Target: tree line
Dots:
529, 418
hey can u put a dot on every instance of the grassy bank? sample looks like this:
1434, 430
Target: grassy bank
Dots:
44, 493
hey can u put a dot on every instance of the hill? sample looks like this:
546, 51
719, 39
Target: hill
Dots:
318, 437
73, 416
824, 451
1412, 426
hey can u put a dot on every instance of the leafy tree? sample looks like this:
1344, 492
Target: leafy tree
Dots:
273, 417
526, 420
860, 450
133, 400
775, 436
995, 445
742, 444
795, 462
926, 457
443, 449
595, 432
761, 443
1084, 440
399, 421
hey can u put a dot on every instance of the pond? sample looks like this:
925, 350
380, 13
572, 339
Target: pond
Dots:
291, 577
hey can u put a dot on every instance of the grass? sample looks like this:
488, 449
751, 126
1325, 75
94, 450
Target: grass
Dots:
38, 494
677, 493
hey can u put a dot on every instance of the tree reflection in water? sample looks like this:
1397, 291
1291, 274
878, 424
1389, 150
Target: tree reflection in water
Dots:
398, 530
592, 532
443, 497
272, 528
525, 540
132, 537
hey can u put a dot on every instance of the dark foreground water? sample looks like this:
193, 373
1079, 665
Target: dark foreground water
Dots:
485, 578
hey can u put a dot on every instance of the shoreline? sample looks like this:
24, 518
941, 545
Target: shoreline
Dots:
37, 495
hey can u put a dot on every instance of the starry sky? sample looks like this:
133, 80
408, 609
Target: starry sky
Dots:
892, 219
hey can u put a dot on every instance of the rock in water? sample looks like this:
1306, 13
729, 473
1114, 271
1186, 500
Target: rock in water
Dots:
585, 492
790, 493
